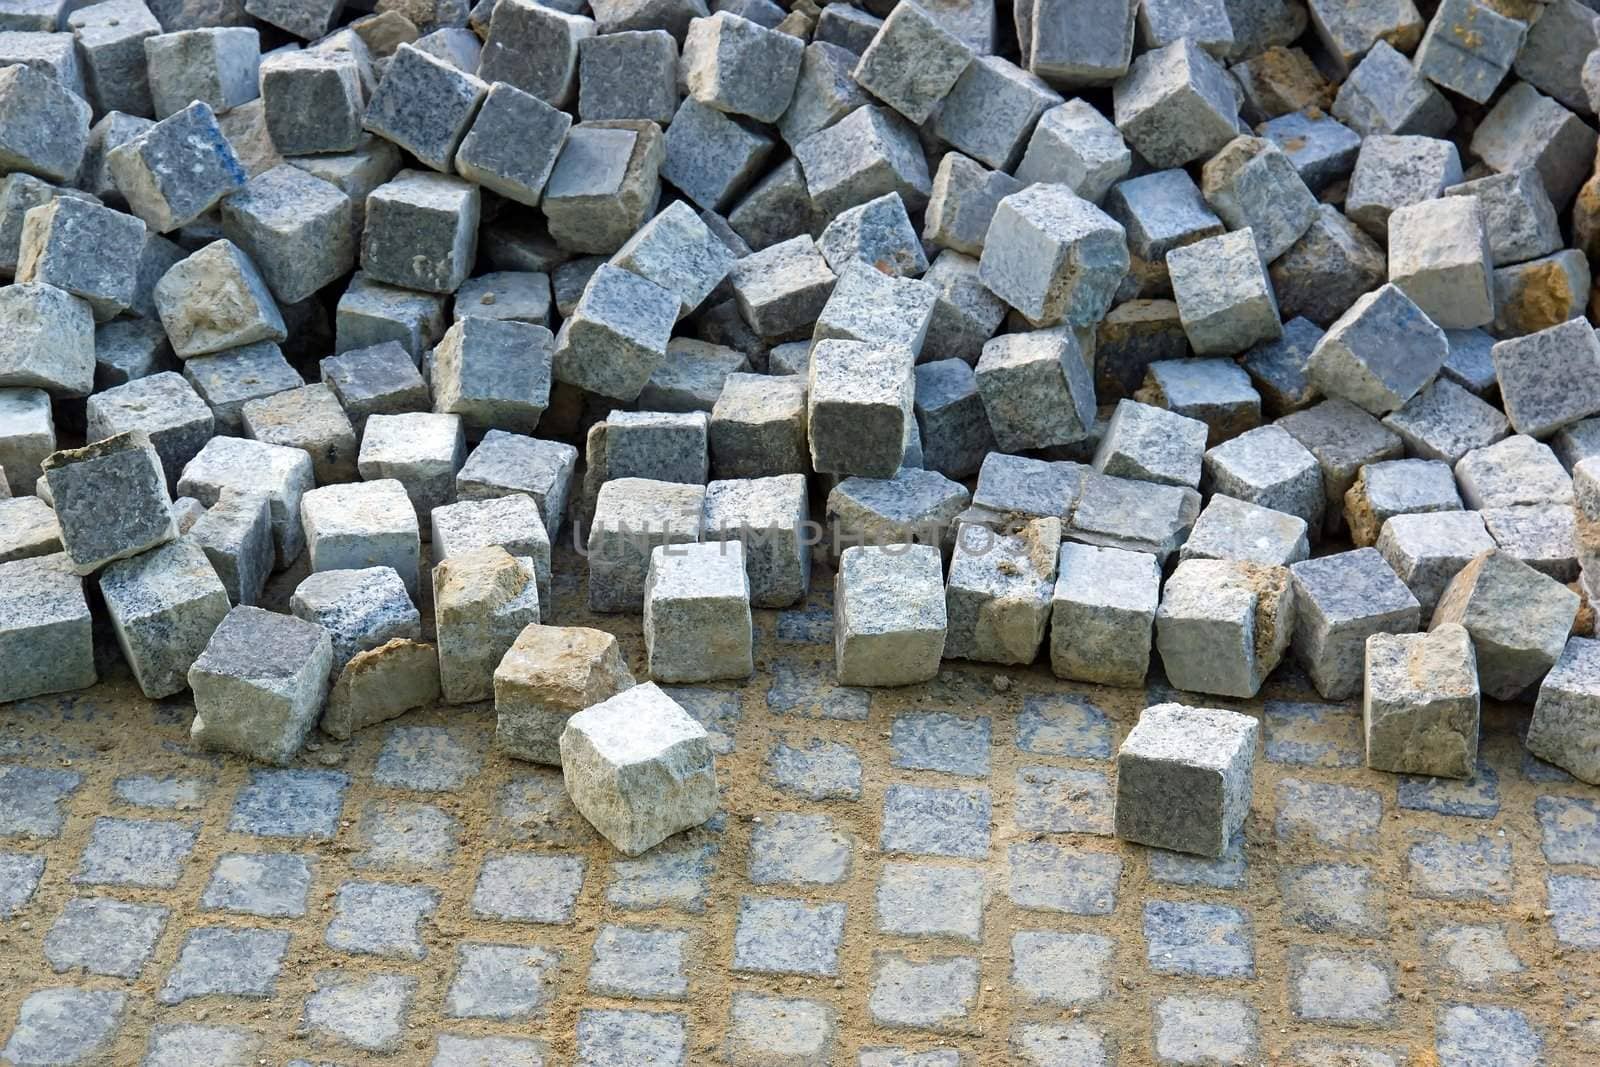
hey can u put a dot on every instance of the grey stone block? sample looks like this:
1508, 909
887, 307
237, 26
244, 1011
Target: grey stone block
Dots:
236, 535
229, 379
494, 374
1230, 528
164, 605
234, 463
847, 27
663, 446
1184, 778
615, 16
697, 623
740, 67
362, 609
1547, 379
1518, 618
424, 105
1223, 625
110, 38
825, 91
370, 313
1528, 129
876, 308
1469, 47
1175, 105
1103, 610
1380, 353
46, 340
423, 451
633, 516
1516, 470
28, 528
505, 463
692, 377
483, 598
628, 75
965, 312
869, 152
951, 417
1385, 95
1420, 703
1160, 211
758, 427
1426, 551
914, 506
771, 518
1439, 257
420, 232
308, 19
1278, 368
962, 204
998, 593
1214, 391
678, 252
297, 229
1564, 714
1539, 294
1074, 145
178, 169
162, 405
889, 615
877, 233
129, 349
356, 172
46, 635
27, 436
617, 335
991, 111
46, 125
126, 468
515, 296
1133, 515
1517, 215
1054, 256
361, 524
1322, 149
1225, 300
859, 405
1151, 444
1394, 171
1397, 487
216, 299
1071, 46
913, 62
1324, 273
259, 685
712, 158
605, 184
549, 674
1343, 438
1252, 184
782, 289
1445, 422
510, 117
1551, 59
379, 380
535, 48
217, 66
1544, 536
1341, 600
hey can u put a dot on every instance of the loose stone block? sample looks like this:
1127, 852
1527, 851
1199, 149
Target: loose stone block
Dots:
997, 598
617, 335
47, 124
951, 418
632, 517
1539, 294
711, 158
963, 201
758, 427
991, 110
217, 66
1324, 272
859, 399
1230, 528
513, 522
216, 299
509, 117
296, 229
1036, 389
1380, 353
664, 446
1445, 422
513, 296
494, 374
638, 768
420, 232
124, 468
228, 380
1268, 467
628, 75
870, 306
1216, 392
110, 37
1525, 128
259, 685
1541, 535
1397, 487
889, 615
1392, 172
1150, 444
848, 27
770, 517
1518, 619
1159, 212
1253, 185
380, 684
46, 640
178, 169
824, 91
233, 463
919, 506
1439, 257
1517, 470
1547, 379
165, 407
1225, 300
535, 48
741, 67
1102, 612
547, 675
28, 528
1184, 778
1564, 714
1175, 105
869, 152
1420, 703
236, 535
506, 463
1426, 551
1072, 46
697, 623
370, 313
1322, 149
605, 184
1518, 217
1385, 95
878, 234
1469, 48
1054, 256
362, 524
679, 253
46, 340
379, 380
424, 105
913, 62
1341, 600
1074, 145
1223, 625
83, 249
356, 172
1134, 515
308, 418
482, 600
128, 349
164, 605
1278, 368
361, 608
693, 376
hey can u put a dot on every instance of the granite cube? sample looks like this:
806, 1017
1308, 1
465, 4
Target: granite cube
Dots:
424, 105
617, 335
1230, 528
1564, 713
311, 419
378, 380
1102, 612
1386, 95
505, 463
605, 184
889, 615
1526, 128
879, 234
232, 378
216, 299
679, 253
178, 169
1216, 392
260, 684
951, 418
46, 124
421, 232
164, 605
218, 66
1469, 47
1175, 105
1439, 257
1392, 171
783, 288
510, 117
313, 101
83, 249
1054, 256
1517, 215
997, 596
991, 111
869, 152
1548, 379
758, 427
915, 506
1517, 470
236, 535
46, 340
712, 159
913, 62
1419, 703
1184, 777
1518, 619
482, 599
549, 674
961, 204
1397, 487
362, 524
234, 463
494, 374
361, 608
1268, 467
770, 517
1380, 353
370, 313
1073, 144
632, 74
1252, 185
165, 407
297, 230
111, 500
1340, 601
697, 623
1152, 444
1225, 300
1445, 422
46, 638
871, 306
859, 407
741, 67
1036, 389
632, 517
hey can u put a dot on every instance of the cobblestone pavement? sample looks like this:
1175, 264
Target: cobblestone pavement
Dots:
916, 878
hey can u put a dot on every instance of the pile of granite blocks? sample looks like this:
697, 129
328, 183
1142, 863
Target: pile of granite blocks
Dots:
1201, 337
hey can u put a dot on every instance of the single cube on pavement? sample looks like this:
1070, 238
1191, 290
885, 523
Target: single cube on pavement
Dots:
741, 67
46, 634
888, 615
1518, 619
859, 399
1102, 613
1224, 625
1175, 105
46, 340
617, 335
1268, 467
913, 62
513, 144
308, 418
260, 684
639, 768
1419, 703
1054, 256
1252, 185
1036, 388
110, 498
363, 524
164, 406
633, 516
1225, 300
697, 623
1151, 444
83, 249
997, 598
216, 299
1397, 487
1230, 528
549, 674
1380, 353
1340, 601
424, 105
1184, 778
236, 535
770, 517
482, 599
178, 169
421, 232
234, 463
361, 608
1567, 712
1426, 551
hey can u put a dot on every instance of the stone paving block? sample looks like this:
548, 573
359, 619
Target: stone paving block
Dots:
19, 879
693, 376
1340, 600
1427, 551
168, 793
1394, 171
494, 374
1225, 300
1214, 391
1420, 702
1573, 443
1203, 940
962, 203
869, 152
913, 62
371, 313
1322, 149
997, 596
1175, 105
951, 418
164, 605
777, 936
1380, 353
297, 229
1517, 215
878, 233
1163, 750
605, 183
1565, 705
769, 517
1226, 872
218, 66
617, 335
1475, 956
991, 111
528, 888
1343, 438
458, 1051
371, 918
679, 253
758, 427
1469, 47
46, 637
173, 1044
300, 804
311, 419
217, 299
1546, 378
1132, 515
1060, 969
1446, 421
847, 27
1385, 96
358, 525
34, 102
930, 821
1444, 868
380, 379
420, 232
218, 961
313, 100
884, 639
1539, 294
505, 464
1323, 273
870, 306
1439, 256
1477, 797
28, 529
1196, 1030
424, 105
782, 1033
48, 338
271, 885
178, 169
1251, 184
936, 741
1340, 989
102, 936
1397, 487
1503, 1034
1160, 212
1279, 81
1328, 816
65, 1025
517, 296
1269, 468
406, 837
1576, 906
130, 348
819, 771
501, 981
367, 1013
1054, 256
1514, 471
630, 74
1047, 878
640, 962
1036, 389
165, 407
1102, 612
697, 623
633, 516
1526, 128
482, 600
1063, 725
859, 407
1277, 368
741, 67
362, 609
711, 158
790, 849
27, 436
1552, 57
1540, 535
1518, 618
127, 465
422, 453
260, 684
83, 249
938, 994
1054, 800
1334, 899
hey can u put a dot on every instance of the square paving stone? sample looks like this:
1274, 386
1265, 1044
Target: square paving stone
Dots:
1477, 797
524, 888
715, 709
1340, 988
1203, 940
109, 937
1473, 956
938, 741
774, 936
792, 849
501, 981
1063, 724
1327, 815
65, 1025
1061, 800
1473, 1035
778, 1031
1048, 877
375, 919
31, 799
818, 770
168, 793
367, 1012
899, 1057
1329, 898
639, 961
1569, 829
271, 885
921, 900
398, 837
537, 808
217, 960
458, 1051
909, 994
290, 804
189, 1045
1205, 1030
141, 852
1575, 903
1444, 868
1061, 969
631, 1039
1227, 871
936, 822
1313, 735
427, 759
805, 690
675, 874
19, 879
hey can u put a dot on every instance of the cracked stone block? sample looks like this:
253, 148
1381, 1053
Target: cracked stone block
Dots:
1565, 709
1223, 625
1054, 256
962, 203
47, 127
1341, 600
1183, 778
639, 962
366, 1013
373, 919
1445, 422
1133, 515
1517, 215
1235, 529
370, 313
48, 340
741, 67
506, 463
164, 605
1036, 389
1439, 257
1517, 470
125, 467
420, 232
869, 152
260, 684
1526, 128
859, 407
1427, 551
1225, 300
883, 637
991, 112
1517, 617
422, 452
1397, 487
1175, 105
1268, 467
605, 184
270, 885
616, 337
630, 74
1420, 702
83, 249
217, 299
178, 169
1323, 273
712, 158
297, 229
66, 1025
1380, 353
1547, 378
